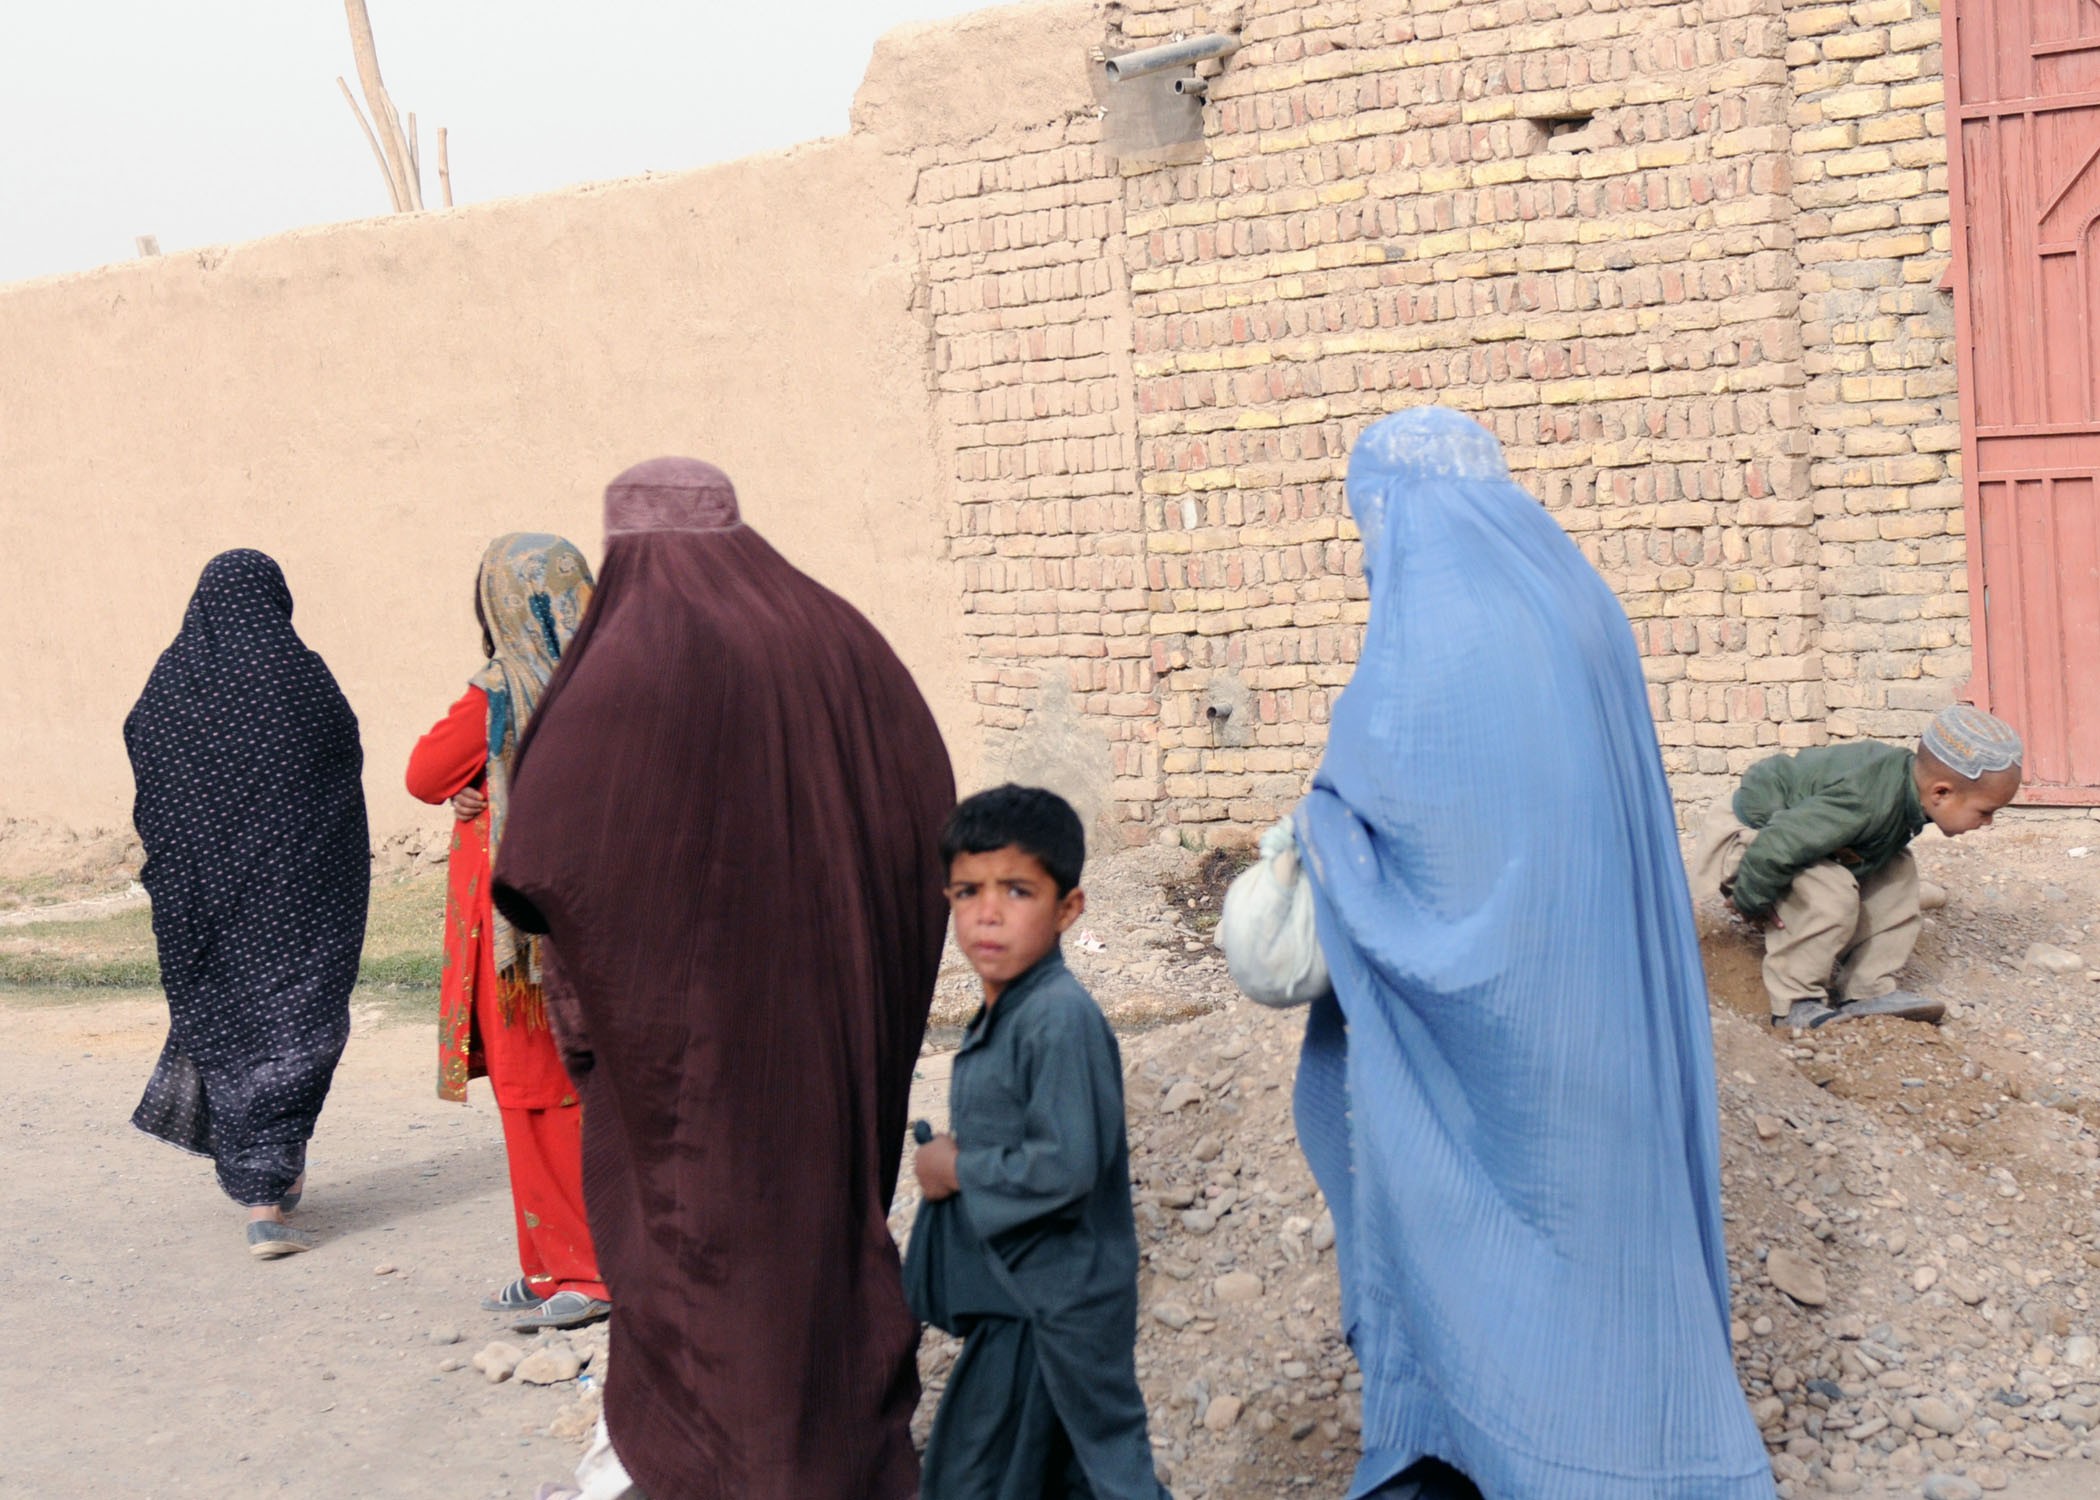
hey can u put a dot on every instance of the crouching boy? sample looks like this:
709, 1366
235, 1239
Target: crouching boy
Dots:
1026, 1245
1815, 848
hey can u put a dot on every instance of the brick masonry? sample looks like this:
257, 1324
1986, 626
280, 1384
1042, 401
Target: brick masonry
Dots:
1683, 258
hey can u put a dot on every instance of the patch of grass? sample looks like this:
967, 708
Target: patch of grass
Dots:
404, 937
405, 932
31, 970
402, 971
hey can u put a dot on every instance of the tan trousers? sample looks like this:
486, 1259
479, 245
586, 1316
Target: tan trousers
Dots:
1826, 919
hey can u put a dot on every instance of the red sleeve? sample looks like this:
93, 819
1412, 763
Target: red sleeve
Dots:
451, 757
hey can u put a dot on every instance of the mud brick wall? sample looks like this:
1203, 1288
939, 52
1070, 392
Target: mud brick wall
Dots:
1020, 239
1683, 258
1577, 228
1083, 416
1870, 194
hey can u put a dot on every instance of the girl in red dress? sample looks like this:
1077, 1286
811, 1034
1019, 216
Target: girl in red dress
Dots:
492, 1016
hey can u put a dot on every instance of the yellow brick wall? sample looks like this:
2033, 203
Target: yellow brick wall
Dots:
1870, 169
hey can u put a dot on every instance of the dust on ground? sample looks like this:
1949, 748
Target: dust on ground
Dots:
1927, 1195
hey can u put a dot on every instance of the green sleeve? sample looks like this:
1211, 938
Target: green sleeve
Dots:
1795, 838
1061, 1151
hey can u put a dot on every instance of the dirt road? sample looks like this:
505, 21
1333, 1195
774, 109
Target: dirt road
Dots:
154, 1358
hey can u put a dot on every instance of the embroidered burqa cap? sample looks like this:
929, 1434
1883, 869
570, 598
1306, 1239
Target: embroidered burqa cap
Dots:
1972, 743
726, 815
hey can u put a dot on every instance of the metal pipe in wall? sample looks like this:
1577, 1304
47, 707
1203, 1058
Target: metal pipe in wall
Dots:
1180, 54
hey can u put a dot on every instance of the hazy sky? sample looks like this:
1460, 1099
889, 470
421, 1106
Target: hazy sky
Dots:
205, 121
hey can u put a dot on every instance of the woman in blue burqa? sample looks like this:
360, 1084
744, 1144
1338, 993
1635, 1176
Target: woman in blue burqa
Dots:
1509, 1098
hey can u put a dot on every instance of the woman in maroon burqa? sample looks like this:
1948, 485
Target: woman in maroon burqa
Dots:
726, 815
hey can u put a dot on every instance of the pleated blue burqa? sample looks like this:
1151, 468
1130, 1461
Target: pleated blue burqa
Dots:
1509, 1101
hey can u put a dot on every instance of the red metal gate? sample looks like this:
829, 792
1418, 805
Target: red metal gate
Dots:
2023, 112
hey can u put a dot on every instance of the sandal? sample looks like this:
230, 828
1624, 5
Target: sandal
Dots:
270, 1240
562, 1310
518, 1297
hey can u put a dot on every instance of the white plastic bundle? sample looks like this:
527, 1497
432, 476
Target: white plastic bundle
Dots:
1267, 930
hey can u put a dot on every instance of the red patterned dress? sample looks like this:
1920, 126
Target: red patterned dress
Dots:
496, 1027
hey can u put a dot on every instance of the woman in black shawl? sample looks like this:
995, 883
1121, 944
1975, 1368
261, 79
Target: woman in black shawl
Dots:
258, 861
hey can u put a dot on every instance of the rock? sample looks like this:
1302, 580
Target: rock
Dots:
1799, 1277
1208, 1148
497, 1360
1199, 1221
1951, 1487
1323, 1232
383, 1269
1937, 1414
444, 1335
1967, 1291
1931, 897
447, 1366
1769, 1411
1222, 1413
1924, 1279
2082, 1351
1173, 1315
553, 1365
578, 1419
1768, 1126
1237, 1287
2047, 958
1181, 1096
1177, 1197
1898, 1240
1990, 1478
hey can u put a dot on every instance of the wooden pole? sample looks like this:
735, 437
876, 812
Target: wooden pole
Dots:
415, 158
384, 119
146, 244
444, 168
393, 192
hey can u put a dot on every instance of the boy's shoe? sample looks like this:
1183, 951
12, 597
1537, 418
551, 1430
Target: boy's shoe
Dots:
1805, 1016
562, 1310
1904, 1005
270, 1240
518, 1297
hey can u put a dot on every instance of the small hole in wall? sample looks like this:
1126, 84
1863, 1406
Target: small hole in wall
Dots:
1551, 126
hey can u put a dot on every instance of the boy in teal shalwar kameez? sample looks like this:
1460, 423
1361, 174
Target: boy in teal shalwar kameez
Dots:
1026, 1245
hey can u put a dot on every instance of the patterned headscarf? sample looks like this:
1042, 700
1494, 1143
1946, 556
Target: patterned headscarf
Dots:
533, 591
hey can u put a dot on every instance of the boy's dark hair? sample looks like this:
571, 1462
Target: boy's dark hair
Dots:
1037, 822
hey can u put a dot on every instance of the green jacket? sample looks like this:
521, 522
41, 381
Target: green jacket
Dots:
1855, 803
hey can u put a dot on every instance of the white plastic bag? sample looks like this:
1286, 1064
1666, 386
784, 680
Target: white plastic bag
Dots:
1267, 927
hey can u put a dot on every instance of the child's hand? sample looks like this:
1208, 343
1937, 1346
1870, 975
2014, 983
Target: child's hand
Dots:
469, 805
934, 1165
